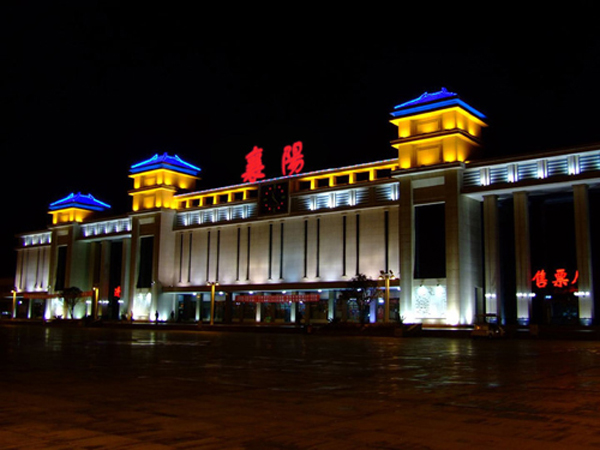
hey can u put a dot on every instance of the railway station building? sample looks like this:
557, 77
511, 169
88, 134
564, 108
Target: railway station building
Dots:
451, 235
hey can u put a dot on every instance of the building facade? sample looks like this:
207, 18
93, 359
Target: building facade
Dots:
453, 237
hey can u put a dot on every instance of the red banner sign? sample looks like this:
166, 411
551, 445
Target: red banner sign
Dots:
283, 298
46, 296
41, 295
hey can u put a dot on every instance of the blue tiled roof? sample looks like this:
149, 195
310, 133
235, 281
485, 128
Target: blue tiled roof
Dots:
79, 200
427, 98
165, 161
429, 102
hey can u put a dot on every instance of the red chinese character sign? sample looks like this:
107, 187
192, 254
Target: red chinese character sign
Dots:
292, 161
561, 279
540, 279
254, 166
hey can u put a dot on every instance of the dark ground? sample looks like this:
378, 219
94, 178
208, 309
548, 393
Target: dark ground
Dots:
86, 388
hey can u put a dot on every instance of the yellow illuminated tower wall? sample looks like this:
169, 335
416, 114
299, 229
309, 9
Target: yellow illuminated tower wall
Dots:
436, 128
158, 179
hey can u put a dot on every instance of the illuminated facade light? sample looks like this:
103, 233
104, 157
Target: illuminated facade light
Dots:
394, 193
573, 165
435, 129
582, 294
436, 100
75, 208
352, 198
485, 176
165, 161
542, 169
512, 173
79, 200
37, 239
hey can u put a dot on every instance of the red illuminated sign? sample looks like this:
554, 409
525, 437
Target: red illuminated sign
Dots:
540, 279
292, 161
254, 166
561, 278
46, 296
282, 298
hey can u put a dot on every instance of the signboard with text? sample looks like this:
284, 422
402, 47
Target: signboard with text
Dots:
292, 162
279, 298
46, 296
560, 279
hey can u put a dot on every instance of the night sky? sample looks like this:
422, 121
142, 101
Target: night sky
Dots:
90, 88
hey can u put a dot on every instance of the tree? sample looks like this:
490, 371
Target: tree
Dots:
72, 296
364, 290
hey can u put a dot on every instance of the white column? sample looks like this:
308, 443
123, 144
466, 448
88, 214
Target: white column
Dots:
258, 308
456, 299
522, 255
198, 303
583, 253
406, 242
492, 256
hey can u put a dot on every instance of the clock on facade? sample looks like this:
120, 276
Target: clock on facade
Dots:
274, 198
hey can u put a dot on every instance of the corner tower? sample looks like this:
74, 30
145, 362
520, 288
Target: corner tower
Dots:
436, 128
437, 134
75, 208
157, 179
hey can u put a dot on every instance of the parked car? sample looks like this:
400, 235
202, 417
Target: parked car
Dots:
488, 327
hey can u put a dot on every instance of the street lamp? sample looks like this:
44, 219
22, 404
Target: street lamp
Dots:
387, 276
213, 285
95, 303
14, 305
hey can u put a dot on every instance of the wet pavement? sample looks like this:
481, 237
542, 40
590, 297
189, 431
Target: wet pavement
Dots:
81, 388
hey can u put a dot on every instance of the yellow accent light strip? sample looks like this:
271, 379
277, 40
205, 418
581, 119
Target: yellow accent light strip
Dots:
351, 173
70, 214
157, 171
438, 138
185, 200
438, 113
151, 189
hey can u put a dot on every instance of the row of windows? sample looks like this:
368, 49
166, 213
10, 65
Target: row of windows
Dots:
533, 170
345, 179
106, 227
346, 198
37, 239
215, 215
306, 203
219, 199
307, 184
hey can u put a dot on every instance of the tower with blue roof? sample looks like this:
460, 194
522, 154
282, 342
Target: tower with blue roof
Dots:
436, 128
75, 208
157, 179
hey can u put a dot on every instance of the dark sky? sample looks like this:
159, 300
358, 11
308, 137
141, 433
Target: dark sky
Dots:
90, 88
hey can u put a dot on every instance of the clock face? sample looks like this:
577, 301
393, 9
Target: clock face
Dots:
274, 199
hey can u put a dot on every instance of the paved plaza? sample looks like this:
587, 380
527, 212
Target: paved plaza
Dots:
81, 388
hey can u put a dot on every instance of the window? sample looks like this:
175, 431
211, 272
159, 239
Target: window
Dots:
146, 262
342, 179
430, 241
